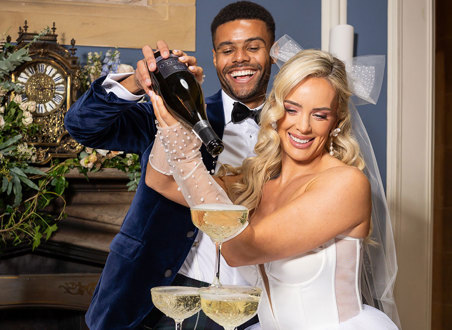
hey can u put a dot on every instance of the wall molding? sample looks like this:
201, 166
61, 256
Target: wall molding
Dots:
334, 12
410, 130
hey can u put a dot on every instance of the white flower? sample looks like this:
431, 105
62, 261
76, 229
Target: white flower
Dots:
18, 99
23, 106
102, 152
124, 68
26, 151
2, 109
86, 163
89, 150
31, 106
2, 122
92, 158
27, 120
22, 149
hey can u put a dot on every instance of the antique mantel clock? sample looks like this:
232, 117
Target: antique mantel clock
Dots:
51, 79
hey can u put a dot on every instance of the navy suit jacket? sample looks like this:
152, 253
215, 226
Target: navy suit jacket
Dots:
156, 234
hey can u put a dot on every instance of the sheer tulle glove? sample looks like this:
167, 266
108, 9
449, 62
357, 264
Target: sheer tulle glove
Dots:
179, 146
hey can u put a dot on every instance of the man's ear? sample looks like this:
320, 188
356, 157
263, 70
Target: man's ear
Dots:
214, 54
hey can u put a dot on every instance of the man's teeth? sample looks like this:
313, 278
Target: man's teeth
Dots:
242, 73
299, 140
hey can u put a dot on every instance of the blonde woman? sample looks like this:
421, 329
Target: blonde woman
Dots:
310, 203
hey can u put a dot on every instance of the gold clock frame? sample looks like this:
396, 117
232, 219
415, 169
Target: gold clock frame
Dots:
67, 77
54, 141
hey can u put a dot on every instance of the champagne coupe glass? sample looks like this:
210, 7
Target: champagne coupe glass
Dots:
230, 306
220, 222
176, 302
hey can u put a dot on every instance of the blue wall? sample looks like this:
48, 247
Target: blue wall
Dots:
370, 21
301, 19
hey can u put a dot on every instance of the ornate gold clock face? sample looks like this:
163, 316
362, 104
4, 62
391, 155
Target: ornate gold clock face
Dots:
45, 84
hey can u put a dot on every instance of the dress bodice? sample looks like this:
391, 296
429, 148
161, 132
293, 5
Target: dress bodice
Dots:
316, 290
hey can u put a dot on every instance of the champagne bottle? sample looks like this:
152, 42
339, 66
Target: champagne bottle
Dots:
184, 99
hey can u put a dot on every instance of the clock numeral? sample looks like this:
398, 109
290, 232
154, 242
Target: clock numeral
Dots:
59, 89
30, 70
57, 78
50, 70
40, 108
50, 106
41, 67
23, 78
57, 98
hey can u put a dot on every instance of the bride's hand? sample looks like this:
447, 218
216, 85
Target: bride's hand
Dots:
161, 112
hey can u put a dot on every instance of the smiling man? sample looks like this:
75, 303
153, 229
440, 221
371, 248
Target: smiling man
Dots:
158, 244
242, 35
241, 57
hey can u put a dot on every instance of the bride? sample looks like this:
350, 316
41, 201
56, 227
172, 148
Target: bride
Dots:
309, 201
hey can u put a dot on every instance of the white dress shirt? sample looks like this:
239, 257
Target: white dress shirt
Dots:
239, 140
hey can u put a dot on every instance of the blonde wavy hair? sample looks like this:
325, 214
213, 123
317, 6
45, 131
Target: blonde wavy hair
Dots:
256, 171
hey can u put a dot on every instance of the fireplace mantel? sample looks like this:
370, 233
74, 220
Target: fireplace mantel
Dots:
62, 272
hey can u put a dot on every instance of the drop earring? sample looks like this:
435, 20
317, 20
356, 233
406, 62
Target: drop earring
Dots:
334, 133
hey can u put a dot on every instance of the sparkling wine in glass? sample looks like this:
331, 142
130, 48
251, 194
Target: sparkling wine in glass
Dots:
220, 222
230, 306
176, 302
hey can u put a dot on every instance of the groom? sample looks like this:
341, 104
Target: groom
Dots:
158, 244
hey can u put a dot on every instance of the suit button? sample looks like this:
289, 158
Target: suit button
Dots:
168, 273
190, 234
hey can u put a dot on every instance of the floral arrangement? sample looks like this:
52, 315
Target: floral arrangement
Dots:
96, 67
32, 198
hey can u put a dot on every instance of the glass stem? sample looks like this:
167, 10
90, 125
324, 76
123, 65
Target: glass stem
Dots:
216, 280
178, 325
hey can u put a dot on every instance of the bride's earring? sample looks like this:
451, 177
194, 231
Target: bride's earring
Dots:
334, 133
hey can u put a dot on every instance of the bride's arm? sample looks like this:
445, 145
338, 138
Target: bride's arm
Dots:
175, 168
338, 202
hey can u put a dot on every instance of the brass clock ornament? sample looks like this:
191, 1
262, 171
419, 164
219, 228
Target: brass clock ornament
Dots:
51, 79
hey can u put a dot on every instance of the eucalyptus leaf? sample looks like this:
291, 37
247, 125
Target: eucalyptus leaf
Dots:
18, 171
28, 182
33, 170
5, 182
8, 150
17, 189
10, 187
10, 141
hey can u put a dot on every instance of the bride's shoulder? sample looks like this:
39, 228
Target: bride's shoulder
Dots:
342, 176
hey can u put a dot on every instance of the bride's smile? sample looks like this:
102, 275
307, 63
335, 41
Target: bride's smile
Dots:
310, 115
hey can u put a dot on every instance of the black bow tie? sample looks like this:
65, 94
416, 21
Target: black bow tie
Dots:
240, 112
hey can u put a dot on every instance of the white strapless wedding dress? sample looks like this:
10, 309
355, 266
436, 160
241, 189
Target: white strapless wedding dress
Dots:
316, 290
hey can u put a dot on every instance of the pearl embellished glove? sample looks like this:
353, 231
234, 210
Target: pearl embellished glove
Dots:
176, 152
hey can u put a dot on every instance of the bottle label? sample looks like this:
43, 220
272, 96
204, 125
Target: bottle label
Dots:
170, 65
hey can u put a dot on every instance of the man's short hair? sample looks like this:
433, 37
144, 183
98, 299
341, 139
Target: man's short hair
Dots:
243, 10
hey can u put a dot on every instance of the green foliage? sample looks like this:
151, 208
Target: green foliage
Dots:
32, 199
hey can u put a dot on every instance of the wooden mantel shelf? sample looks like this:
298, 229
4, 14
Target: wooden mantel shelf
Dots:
105, 173
95, 208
